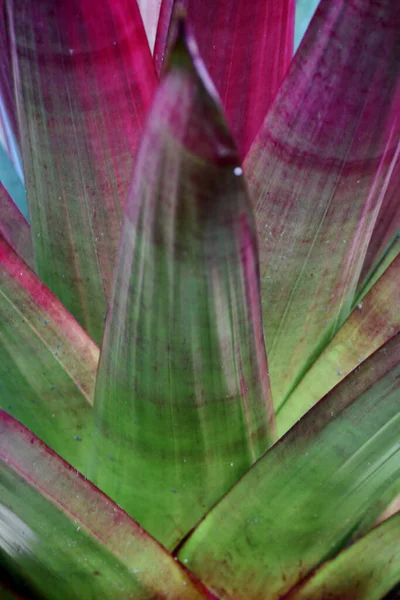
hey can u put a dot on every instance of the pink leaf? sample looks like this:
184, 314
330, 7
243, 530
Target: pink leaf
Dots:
84, 80
247, 48
14, 228
319, 172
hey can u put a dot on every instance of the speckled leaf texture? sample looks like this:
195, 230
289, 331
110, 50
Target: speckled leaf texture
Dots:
84, 78
319, 172
182, 399
62, 538
246, 48
47, 362
371, 324
14, 228
366, 571
299, 504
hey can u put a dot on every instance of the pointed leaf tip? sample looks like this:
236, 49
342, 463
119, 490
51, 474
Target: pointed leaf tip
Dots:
182, 399
214, 142
230, 36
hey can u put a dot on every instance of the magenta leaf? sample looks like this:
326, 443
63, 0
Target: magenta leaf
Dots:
14, 228
319, 172
246, 47
84, 80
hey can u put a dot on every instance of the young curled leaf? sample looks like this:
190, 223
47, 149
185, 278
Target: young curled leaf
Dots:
246, 47
182, 398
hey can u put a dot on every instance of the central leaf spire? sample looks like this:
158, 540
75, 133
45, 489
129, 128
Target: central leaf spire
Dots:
183, 404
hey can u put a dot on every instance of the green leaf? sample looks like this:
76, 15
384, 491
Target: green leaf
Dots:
182, 396
365, 571
388, 256
14, 228
319, 171
375, 320
84, 78
385, 506
301, 501
47, 362
65, 539
384, 244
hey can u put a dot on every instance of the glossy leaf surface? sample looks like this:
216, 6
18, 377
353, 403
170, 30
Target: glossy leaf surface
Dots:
65, 539
375, 320
182, 396
47, 362
301, 501
365, 571
14, 228
384, 507
246, 50
84, 79
319, 172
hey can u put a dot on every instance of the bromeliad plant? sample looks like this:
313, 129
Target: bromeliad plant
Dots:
225, 477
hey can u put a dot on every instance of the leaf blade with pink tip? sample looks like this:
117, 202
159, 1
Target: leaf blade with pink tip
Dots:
246, 50
319, 172
84, 78
47, 361
371, 324
14, 228
182, 404
64, 539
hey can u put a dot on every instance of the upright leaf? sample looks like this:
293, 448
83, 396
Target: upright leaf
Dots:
383, 246
391, 252
372, 323
319, 172
84, 79
182, 395
14, 228
164, 34
386, 506
247, 48
365, 571
47, 362
65, 539
301, 501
